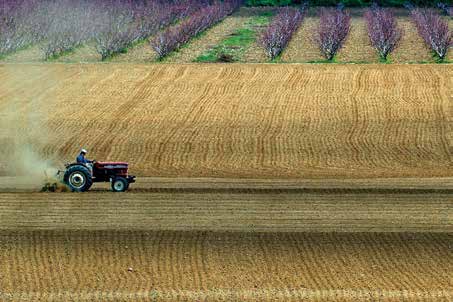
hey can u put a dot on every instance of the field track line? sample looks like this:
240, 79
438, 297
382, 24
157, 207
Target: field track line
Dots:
227, 210
445, 184
226, 294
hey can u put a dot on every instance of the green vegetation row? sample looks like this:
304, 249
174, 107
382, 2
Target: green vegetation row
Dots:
232, 49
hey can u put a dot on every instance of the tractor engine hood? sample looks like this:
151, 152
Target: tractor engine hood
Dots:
112, 165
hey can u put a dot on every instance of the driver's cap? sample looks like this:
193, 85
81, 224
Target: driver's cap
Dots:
83, 151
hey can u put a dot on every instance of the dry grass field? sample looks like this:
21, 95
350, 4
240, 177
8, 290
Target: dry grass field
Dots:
297, 182
256, 121
206, 266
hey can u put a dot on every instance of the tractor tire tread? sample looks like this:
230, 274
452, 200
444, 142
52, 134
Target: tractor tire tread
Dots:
125, 182
84, 170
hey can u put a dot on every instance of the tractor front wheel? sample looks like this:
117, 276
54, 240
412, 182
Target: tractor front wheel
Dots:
120, 184
78, 178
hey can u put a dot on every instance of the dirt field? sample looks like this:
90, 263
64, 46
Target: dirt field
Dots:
231, 206
302, 47
205, 266
289, 207
231, 240
257, 121
302, 205
411, 40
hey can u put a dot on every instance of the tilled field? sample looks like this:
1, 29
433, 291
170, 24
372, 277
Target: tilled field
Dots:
257, 121
232, 210
207, 266
378, 205
230, 240
317, 129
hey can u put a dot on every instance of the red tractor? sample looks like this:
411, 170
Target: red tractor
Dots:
80, 177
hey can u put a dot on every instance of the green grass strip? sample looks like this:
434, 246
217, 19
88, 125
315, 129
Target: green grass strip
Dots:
232, 49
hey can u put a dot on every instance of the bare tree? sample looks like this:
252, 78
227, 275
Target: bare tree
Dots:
69, 25
174, 37
279, 32
434, 31
18, 25
123, 23
334, 27
383, 30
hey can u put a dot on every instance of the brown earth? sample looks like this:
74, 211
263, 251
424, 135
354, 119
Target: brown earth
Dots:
303, 47
411, 48
18, 184
231, 240
357, 47
226, 205
256, 121
207, 266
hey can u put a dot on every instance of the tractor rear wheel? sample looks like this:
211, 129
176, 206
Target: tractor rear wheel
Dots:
78, 178
120, 184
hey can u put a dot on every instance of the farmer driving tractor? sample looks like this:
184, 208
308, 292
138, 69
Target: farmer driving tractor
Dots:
79, 176
81, 158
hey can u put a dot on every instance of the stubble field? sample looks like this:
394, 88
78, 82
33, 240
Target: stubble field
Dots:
255, 121
204, 266
318, 183
377, 243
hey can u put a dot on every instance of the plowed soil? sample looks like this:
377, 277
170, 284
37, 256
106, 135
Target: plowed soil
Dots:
215, 239
303, 47
205, 266
411, 48
257, 121
357, 47
235, 206
236, 240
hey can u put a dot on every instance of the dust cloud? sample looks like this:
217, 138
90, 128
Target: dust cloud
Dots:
24, 136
